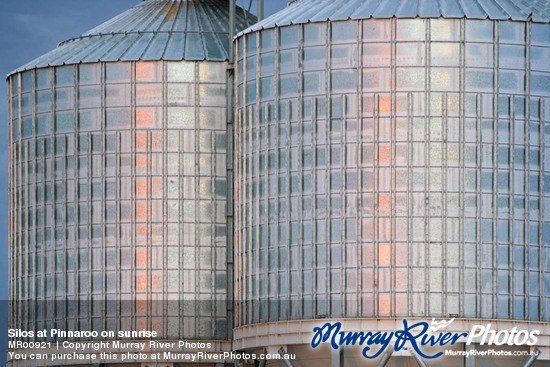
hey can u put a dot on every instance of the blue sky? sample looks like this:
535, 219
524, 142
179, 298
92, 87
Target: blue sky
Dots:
30, 28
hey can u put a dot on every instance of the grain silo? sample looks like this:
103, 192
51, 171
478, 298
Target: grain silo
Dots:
392, 162
118, 177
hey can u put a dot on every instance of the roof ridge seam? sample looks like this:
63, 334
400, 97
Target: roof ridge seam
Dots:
132, 32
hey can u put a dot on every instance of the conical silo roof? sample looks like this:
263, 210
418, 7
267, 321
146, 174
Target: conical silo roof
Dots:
305, 11
153, 30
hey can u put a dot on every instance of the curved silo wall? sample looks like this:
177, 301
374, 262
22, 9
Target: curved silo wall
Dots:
118, 192
392, 168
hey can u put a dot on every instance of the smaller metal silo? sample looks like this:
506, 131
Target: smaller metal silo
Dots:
118, 177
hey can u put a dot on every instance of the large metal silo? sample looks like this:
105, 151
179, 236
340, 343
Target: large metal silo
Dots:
392, 161
118, 177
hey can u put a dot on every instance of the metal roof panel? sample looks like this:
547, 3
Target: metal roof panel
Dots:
328, 11
452, 9
493, 10
472, 9
82, 49
346, 12
106, 44
153, 30
304, 11
515, 12
429, 9
122, 43
194, 48
366, 10
136, 50
156, 47
180, 23
175, 47
386, 9
407, 9
213, 46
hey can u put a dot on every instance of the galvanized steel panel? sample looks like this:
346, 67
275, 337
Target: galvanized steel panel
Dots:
176, 46
407, 9
213, 46
80, 50
156, 47
180, 23
44, 60
134, 22
217, 21
69, 52
490, 7
513, 10
304, 11
164, 20
472, 9
146, 32
429, 9
452, 9
194, 49
286, 20
192, 19
344, 12
366, 10
303, 14
327, 12
109, 42
122, 43
386, 9
138, 48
